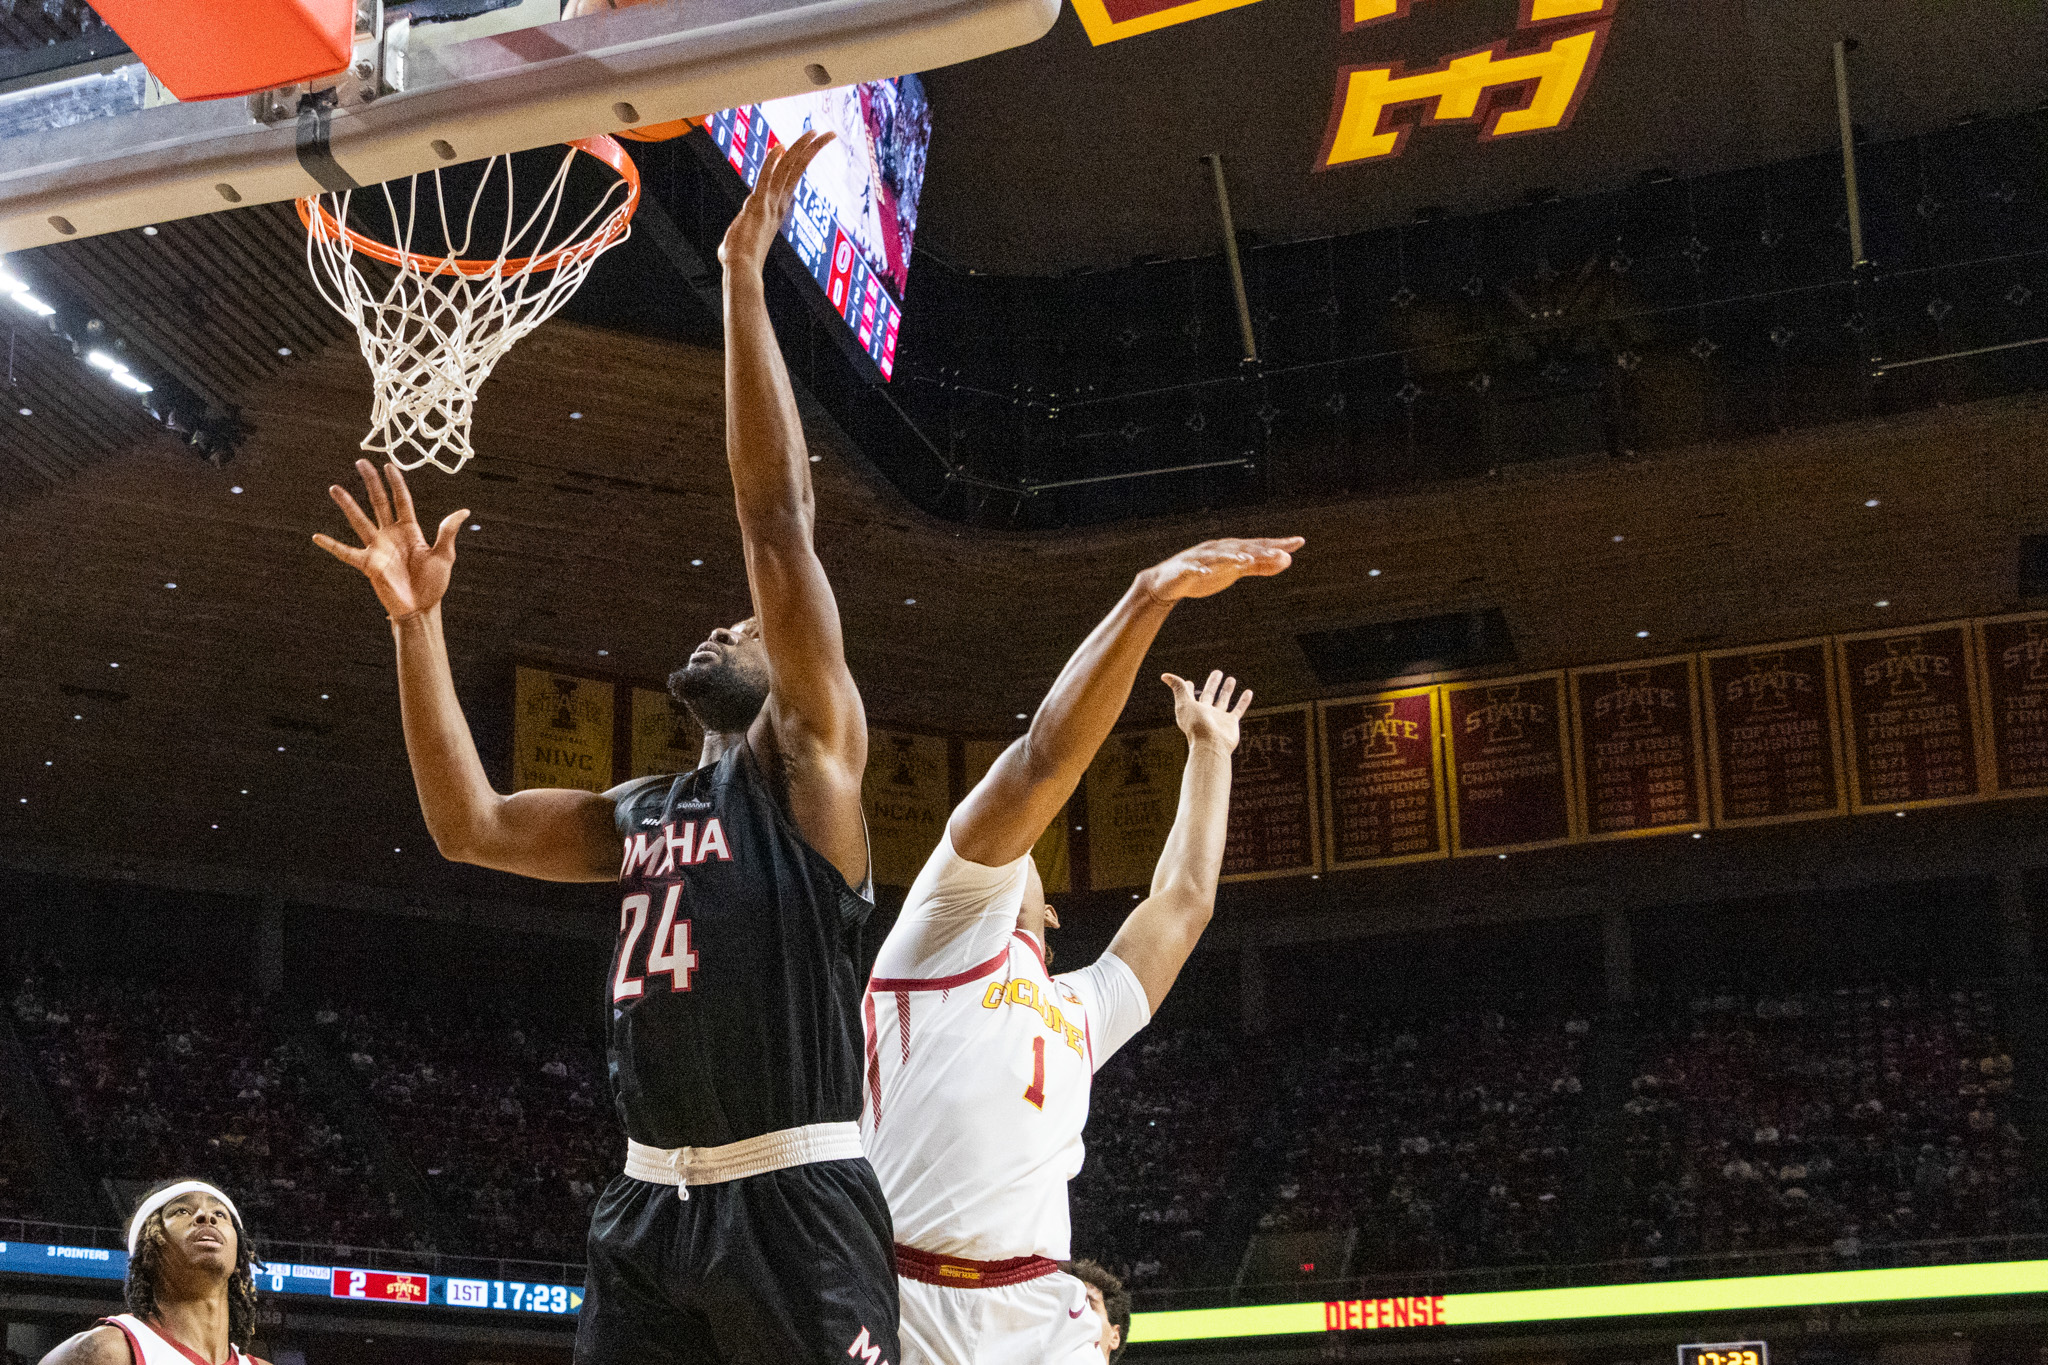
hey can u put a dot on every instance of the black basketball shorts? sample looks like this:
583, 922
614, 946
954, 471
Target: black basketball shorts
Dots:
795, 1267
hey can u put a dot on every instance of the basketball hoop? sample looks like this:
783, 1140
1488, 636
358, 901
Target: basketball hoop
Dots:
433, 333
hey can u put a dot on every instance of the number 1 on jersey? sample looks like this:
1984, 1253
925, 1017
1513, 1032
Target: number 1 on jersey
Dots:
1034, 1094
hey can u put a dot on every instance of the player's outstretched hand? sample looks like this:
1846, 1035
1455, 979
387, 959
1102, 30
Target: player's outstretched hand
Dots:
1207, 569
408, 574
747, 241
1208, 714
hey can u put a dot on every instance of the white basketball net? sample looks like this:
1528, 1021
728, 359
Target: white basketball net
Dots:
432, 334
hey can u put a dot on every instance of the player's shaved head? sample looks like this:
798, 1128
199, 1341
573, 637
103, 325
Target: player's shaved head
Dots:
725, 680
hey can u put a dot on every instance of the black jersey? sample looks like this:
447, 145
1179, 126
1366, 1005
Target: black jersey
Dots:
735, 986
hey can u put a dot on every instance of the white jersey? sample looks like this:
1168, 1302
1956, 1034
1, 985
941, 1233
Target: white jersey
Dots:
979, 1065
151, 1347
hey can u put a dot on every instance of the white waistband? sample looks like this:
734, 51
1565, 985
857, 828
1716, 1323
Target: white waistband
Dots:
683, 1167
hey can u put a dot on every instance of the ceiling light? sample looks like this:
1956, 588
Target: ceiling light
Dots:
816, 458
696, 563
398, 850
170, 585
1642, 635
1872, 502
100, 360
280, 748
26, 412
149, 232
113, 665
1503, 857
29, 301
1372, 573
1619, 539
1884, 601
323, 696
78, 718
245, 791
1901, 814
236, 489
574, 417
1022, 716
1699, 836
603, 653
49, 763
476, 526
910, 601
284, 350
213, 827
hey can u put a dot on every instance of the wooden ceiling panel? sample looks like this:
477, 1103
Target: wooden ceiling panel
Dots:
588, 526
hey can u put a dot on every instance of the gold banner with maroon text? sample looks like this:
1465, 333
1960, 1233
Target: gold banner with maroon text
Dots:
1640, 764
1274, 822
1909, 717
1506, 752
1053, 851
1383, 780
906, 794
561, 731
663, 736
1133, 791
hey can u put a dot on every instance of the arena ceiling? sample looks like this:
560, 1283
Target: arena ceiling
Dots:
1066, 154
139, 714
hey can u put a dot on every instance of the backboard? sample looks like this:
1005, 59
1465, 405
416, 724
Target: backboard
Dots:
91, 143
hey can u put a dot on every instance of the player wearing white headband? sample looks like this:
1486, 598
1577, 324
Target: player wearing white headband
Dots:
191, 1287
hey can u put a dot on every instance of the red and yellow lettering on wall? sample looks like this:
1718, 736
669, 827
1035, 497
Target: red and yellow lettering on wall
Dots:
1106, 21
1473, 87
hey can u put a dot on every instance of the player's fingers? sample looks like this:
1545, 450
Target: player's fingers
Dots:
1223, 697
1244, 704
373, 484
401, 496
347, 554
1209, 687
357, 521
451, 527
1177, 685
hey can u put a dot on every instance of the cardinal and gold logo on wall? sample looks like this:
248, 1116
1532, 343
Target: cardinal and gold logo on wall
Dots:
1530, 83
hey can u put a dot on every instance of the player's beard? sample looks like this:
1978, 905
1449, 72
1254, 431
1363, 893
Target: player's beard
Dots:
723, 698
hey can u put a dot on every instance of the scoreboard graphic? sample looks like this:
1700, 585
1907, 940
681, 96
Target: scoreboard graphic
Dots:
855, 211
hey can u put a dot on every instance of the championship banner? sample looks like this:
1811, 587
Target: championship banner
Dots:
561, 731
1639, 760
1510, 787
1274, 825
1051, 852
1133, 793
1773, 747
2012, 651
906, 796
1383, 779
1909, 717
664, 737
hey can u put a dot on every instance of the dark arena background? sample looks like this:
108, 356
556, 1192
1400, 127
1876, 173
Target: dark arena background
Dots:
1631, 933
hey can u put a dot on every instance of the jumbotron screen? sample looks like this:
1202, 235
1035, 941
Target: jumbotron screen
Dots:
856, 211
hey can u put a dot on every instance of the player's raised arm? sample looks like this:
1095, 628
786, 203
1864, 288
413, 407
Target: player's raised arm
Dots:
557, 836
1156, 939
813, 718
1004, 815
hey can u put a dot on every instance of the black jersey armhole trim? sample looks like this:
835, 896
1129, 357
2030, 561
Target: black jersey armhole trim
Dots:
854, 908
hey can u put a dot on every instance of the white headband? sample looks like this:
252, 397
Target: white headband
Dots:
165, 1196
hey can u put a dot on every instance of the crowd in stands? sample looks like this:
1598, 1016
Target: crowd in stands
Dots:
1843, 1119
18, 1197
1837, 1121
197, 1079
1167, 1116
1444, 1143
511, 1125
